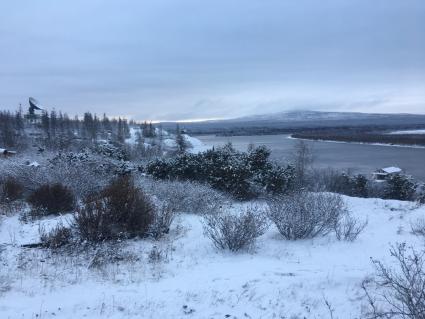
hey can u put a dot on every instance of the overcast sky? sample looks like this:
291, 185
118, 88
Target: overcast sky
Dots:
196, 59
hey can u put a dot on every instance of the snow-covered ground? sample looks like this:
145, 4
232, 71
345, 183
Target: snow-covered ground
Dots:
195, 145
192, 279
408, 132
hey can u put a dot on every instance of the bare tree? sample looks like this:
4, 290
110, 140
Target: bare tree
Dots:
302, 158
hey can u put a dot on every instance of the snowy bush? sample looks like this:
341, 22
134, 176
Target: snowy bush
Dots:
397, 292
421, 195
240, 174
418, 227
10, 189
333, 181
162, 220
120, 211
276, 179
306, 215
51, 199
57, 237
399, 186
114, 151
235, 231
349, 228
82, 172
185, 196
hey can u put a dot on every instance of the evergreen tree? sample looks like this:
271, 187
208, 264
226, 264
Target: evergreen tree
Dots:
45, 124
180, 140
399, 187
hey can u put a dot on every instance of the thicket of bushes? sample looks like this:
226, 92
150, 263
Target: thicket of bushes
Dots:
51, 199
121, 210
306, 215
243, 175
397, 186
10, 190
185, 196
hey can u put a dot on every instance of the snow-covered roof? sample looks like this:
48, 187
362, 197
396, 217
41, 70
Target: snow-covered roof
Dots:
392, 169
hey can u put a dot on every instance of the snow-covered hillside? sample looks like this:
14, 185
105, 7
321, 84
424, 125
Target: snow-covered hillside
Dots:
184, 276
168, 140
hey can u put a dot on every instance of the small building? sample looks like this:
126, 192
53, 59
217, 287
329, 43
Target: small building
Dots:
383, 173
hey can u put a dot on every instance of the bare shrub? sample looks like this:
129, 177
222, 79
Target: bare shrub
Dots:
302, 158
163, 218
120, 211
235, 231
306, 215
109, 253
349, 228
10, 190
51, 199
400, 292
184, 196
57, 237
12, 208
418, 228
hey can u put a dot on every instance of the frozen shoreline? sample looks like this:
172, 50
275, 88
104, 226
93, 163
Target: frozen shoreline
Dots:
361, 143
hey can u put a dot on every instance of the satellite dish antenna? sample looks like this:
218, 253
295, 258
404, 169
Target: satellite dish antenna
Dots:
34, 105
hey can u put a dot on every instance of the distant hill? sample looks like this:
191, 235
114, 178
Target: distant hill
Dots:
295, 121
302, 116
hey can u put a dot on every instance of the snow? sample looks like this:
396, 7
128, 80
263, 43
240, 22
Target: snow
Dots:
277, 279
391, 170
34, 164
169, 142
132, 139
408, 132
196, 145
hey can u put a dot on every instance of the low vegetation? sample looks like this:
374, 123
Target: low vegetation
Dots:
51, 199
399, 291
306, 215
243, 175
11, 190
119, 211
57, 237
235, 231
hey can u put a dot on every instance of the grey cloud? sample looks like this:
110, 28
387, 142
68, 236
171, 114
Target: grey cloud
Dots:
200, 59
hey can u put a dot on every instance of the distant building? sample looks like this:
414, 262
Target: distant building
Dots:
383, 173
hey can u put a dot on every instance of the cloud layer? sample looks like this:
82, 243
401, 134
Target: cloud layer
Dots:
157, 59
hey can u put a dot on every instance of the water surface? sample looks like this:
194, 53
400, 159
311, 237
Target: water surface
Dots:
359, 158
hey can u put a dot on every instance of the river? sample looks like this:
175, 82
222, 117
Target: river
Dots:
359, 158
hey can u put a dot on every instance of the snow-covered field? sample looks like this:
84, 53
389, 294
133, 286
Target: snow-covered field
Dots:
184, 276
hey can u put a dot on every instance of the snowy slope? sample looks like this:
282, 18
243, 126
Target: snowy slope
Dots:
194, 144
279, 279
